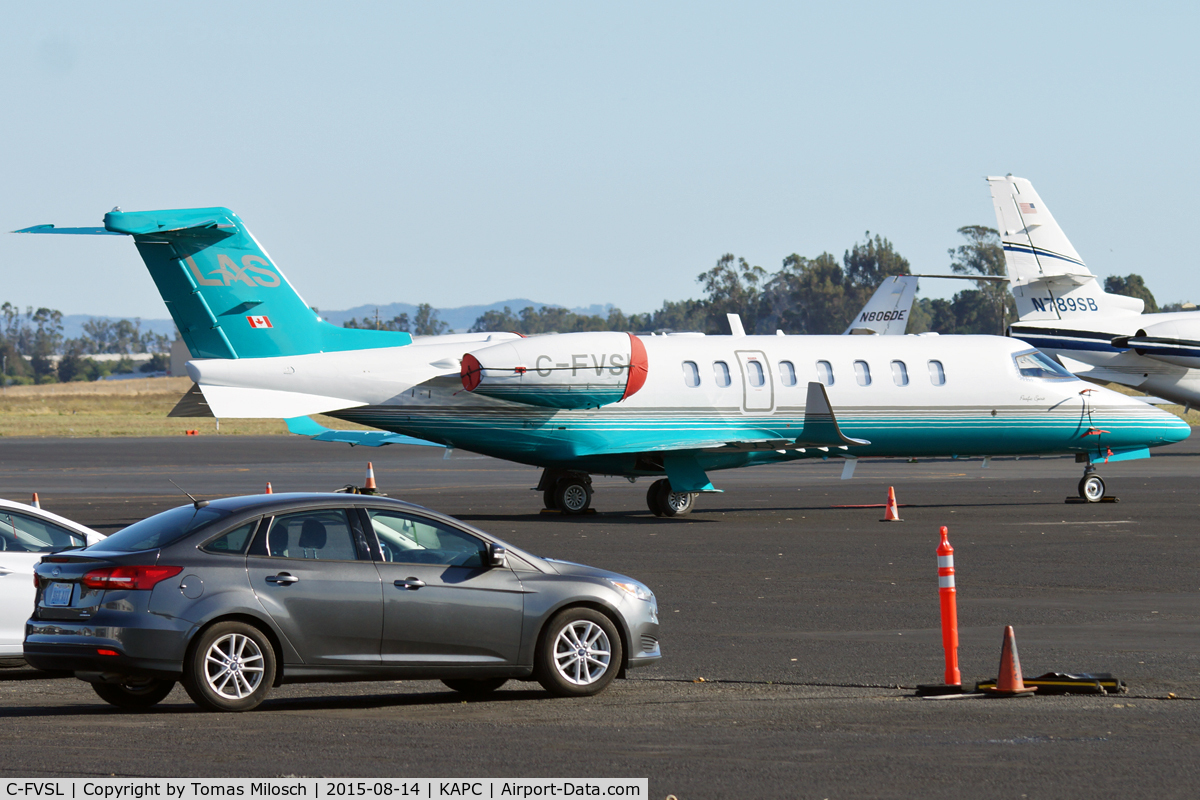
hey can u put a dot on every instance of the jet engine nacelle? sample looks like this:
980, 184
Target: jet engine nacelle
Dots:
1174, 342
565, 370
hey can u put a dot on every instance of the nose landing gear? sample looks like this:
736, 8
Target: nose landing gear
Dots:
1091, 486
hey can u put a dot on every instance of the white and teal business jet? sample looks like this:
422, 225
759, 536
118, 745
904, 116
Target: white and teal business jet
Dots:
670, 407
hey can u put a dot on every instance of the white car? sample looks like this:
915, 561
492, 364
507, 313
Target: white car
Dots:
27, 534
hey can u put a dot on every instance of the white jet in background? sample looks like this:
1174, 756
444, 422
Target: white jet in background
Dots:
1063, 309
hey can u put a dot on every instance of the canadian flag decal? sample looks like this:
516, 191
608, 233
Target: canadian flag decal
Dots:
259, 322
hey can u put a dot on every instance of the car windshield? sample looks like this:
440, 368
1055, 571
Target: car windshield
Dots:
1035, 364
161, 529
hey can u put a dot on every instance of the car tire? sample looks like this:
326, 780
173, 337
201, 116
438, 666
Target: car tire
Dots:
230, 667
579, 653
134, 694
474, 687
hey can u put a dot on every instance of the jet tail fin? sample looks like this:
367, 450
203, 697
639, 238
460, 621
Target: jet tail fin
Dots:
887, 311
1048, 278
227, 297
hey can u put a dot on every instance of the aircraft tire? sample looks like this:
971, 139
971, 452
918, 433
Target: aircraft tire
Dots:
653, 495
548, 498
573, 495
676, 504
1091, 488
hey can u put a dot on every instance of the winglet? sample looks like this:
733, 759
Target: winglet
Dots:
820, 425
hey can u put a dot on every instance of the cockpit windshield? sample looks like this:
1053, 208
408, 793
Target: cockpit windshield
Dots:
1036, 364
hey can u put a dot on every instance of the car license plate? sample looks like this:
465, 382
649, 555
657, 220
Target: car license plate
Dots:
58, 594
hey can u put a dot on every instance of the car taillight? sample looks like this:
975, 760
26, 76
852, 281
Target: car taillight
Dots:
129, 577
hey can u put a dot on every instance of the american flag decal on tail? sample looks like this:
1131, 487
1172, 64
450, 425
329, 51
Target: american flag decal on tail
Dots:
259, 322
1027, 208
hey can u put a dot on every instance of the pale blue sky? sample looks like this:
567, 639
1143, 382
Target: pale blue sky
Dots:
457, 153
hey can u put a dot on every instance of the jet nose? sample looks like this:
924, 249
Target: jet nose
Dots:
1172, 429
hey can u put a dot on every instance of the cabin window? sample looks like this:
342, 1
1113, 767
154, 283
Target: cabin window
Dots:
721, 371
937, 375
754, 371
787, 373
862, 373
899, 373
825, 373
691, 374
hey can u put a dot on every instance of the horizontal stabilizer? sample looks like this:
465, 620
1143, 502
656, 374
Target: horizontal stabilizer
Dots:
75, 231
232, 402
192, 404
306, 426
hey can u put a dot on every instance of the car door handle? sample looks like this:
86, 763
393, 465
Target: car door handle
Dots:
282, 579
412, 584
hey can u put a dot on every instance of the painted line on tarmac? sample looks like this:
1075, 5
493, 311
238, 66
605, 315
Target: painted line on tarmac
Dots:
1082, 522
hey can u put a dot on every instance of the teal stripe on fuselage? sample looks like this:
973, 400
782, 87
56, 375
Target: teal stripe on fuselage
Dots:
600, 441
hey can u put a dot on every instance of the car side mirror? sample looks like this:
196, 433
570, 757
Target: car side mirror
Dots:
497, 555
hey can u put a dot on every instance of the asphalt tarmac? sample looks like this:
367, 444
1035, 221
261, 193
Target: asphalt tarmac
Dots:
793, 631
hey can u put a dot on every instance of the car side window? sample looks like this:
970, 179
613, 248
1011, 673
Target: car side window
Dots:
411, 539
233, 542
23, 534
320, 534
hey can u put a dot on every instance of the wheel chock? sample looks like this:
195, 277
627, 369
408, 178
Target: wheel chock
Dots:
556, 511
1069, 683
1108, 498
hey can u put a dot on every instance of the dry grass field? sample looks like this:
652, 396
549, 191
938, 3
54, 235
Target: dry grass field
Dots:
139, 408
135, 407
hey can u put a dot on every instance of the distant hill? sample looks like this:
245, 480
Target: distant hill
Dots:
460, 319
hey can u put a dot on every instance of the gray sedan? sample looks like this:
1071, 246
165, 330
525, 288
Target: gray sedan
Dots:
235, 596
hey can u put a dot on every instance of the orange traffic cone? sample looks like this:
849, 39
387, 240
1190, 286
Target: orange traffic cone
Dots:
1009, 683
35, 502
893, 509
268, 488
370, 487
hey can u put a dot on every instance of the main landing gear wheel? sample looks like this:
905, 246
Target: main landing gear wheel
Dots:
548, 498
134, 694
1091, 488
663, 502
573, 495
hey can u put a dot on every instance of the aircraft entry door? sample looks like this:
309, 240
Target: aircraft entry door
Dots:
758, 387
